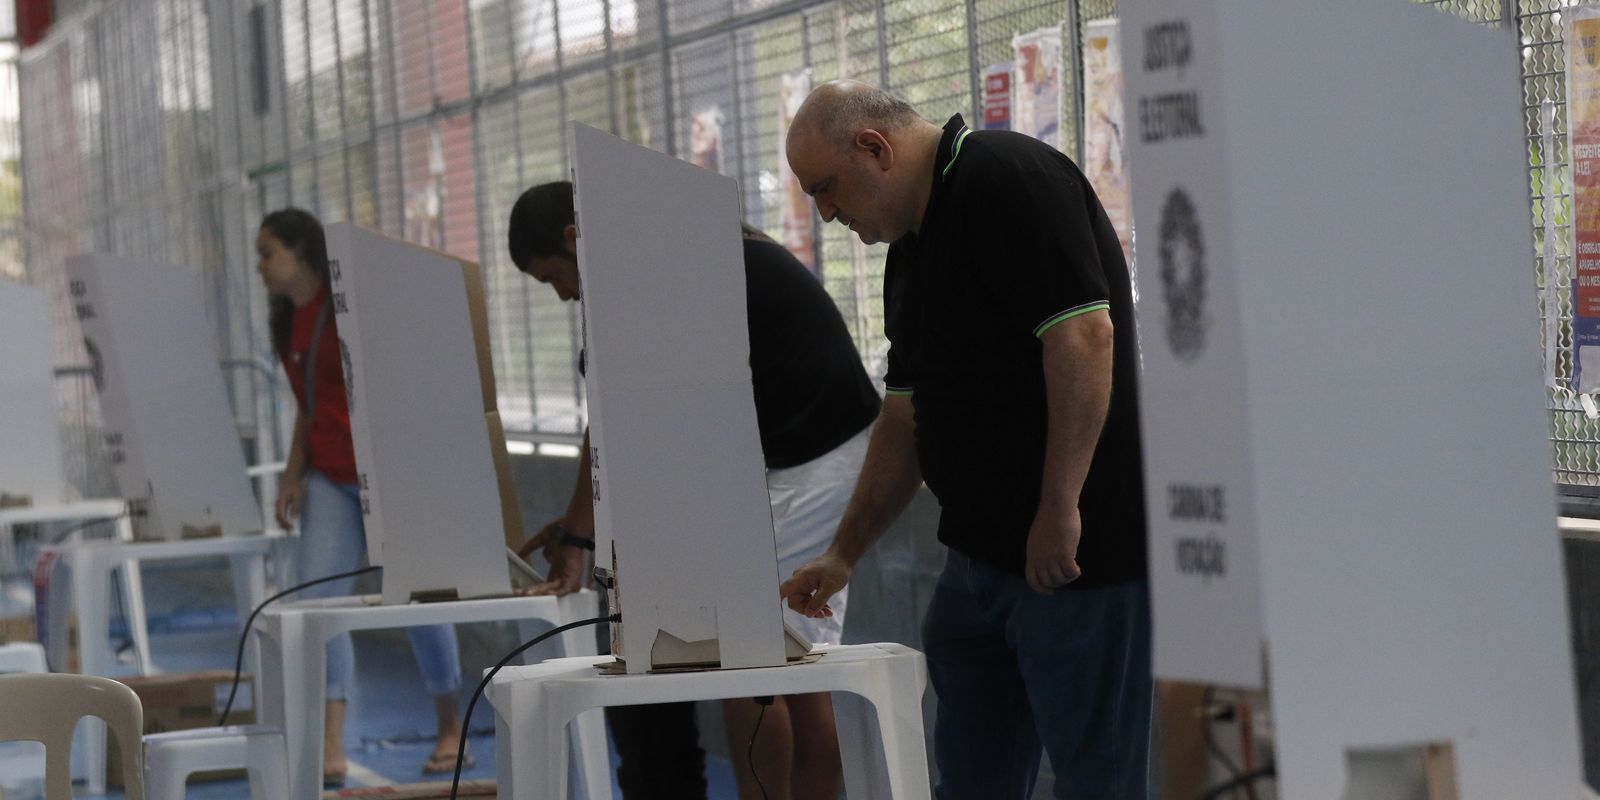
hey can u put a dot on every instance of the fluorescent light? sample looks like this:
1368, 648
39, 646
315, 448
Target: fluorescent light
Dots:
519, 447
553, 449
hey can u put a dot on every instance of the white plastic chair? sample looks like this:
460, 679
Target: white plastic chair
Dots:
46, 708
170, 758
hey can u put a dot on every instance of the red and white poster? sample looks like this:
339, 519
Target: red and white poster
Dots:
1583, 126
1036, 84
997, 97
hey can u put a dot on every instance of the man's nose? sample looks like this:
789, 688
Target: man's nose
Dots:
827, 210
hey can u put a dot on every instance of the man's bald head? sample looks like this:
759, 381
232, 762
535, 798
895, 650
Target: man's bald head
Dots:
865, 157
836, 111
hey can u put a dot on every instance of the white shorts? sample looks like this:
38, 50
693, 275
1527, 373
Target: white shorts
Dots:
807, 503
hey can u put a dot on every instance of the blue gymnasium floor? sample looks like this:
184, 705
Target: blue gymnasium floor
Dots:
388, 733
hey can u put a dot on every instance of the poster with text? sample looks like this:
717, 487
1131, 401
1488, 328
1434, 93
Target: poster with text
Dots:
997, 97
1583, 125
1102, 127
799, 226
1036, 84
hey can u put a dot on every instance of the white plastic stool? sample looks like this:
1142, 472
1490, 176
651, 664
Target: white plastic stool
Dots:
170, 758
877, 697
22, 657
293, 635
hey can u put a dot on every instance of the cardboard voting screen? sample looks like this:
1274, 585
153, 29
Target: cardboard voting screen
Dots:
681, 504
436, 491
1346, 449
171, 435
30, 444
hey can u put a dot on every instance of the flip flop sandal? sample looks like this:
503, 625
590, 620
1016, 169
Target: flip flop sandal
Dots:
334, 780
442, 764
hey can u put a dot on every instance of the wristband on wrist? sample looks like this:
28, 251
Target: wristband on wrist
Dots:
567, 538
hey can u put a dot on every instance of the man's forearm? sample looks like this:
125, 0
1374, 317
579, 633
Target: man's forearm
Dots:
1077, 377
889, 479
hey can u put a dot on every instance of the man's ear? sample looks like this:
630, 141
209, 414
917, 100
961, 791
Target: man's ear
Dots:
877, 146
570, 235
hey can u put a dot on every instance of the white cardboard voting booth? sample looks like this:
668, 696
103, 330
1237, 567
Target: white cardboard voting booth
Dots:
1344, 435
681, 509
30, 446
435, 481
173, 442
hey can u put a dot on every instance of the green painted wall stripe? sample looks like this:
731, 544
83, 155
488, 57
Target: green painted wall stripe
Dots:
1069, 314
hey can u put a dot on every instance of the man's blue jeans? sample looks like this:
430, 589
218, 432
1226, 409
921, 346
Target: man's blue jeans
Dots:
1016, 671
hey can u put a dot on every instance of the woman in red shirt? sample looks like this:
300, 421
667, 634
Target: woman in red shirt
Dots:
319, 484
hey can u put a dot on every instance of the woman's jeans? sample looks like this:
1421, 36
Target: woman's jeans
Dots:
333, 540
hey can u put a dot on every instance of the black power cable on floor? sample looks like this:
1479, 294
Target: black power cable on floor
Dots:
466, 719
750, 751
244, 635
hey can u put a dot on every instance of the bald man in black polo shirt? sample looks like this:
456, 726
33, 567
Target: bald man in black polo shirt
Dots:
1011, 391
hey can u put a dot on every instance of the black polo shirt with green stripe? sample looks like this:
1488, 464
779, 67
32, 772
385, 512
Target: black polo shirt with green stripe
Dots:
1013, 242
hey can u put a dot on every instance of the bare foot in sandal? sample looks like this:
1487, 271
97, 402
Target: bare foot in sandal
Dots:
334, 765
443, 759
444, 762
334, 773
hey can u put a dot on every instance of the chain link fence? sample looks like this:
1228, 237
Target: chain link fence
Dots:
1575, 433
166, 128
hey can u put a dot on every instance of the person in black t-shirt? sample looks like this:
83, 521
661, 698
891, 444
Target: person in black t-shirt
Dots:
1012, 392
814, 406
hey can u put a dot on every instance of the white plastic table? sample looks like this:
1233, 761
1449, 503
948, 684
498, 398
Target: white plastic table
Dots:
108, 509
90, 563
877, 706
293, 636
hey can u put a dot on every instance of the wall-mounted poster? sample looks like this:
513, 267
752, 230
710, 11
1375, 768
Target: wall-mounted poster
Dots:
1583, 126
1036, 84
1102, 127
997, 97
705, 138
799, 226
